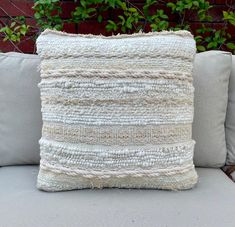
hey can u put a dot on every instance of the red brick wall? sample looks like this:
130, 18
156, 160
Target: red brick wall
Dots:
23, 7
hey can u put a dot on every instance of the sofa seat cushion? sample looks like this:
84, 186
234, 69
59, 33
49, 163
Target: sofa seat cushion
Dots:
210, 203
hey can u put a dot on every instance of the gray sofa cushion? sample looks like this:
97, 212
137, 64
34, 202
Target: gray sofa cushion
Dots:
20, 115
210, 203
230, 119
211, 78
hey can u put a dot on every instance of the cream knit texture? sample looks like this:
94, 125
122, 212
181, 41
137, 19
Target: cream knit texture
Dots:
117, 111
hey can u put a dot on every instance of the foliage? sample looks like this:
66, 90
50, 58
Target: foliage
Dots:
16, 30
126, 17
47, 14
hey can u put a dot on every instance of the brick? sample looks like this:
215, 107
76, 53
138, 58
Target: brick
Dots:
27, 45
220, 2
231, 30
31, 22
16, 8
67, 8
70, 27
194, 26
6, 46
217, 13
92, 27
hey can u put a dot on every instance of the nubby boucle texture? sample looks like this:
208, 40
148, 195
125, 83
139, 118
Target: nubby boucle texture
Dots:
117, 111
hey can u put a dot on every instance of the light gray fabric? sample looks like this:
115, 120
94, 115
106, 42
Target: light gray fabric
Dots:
210, 203
230, 118
20, 115
211, 78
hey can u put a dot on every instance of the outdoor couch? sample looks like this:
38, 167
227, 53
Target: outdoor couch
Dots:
210, 203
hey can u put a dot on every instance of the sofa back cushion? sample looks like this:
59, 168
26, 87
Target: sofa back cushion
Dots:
230, 118
211, 79
20, 115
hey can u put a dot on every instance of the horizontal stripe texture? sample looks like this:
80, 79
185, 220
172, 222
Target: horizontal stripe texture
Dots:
117, 111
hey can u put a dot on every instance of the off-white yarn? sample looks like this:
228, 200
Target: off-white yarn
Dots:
117, 111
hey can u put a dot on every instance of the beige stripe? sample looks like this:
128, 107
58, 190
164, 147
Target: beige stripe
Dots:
131, 101
119, 64
138, 172
52, 181
112, 73
118, 135
114, 56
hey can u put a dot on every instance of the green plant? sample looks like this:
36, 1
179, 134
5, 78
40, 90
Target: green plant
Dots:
158, 20
230, 17
47, 14
15, 30
127, 17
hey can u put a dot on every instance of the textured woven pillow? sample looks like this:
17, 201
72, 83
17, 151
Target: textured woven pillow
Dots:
117, 111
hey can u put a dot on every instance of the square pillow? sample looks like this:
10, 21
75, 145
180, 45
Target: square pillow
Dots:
117, 111
20, 109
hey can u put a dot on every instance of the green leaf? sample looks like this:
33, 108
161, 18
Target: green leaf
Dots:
13, 24
133, 10
90, 10
230, 46
111, 26
83, 3
229, 16
99, 18
58, 27
212, 45
3, 29
189, 5
171, 5
23, 29
225, 14
217, 34
196, 3
154, 27
122, 19
123, 6
111, 3
37, 15
129, 23
201, 48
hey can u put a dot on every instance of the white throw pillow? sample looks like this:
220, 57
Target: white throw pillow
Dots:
117, 111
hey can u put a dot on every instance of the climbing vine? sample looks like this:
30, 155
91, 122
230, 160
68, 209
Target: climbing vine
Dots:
127, 17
